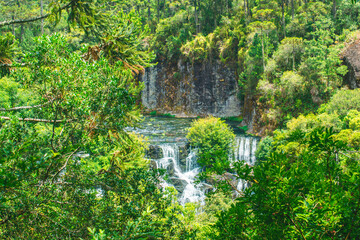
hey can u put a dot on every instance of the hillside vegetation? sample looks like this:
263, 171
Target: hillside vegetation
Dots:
69, 89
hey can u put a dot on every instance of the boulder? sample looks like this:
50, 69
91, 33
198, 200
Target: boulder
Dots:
171, 169
178, 183
154, 152
351, 58
153, 164
183, 153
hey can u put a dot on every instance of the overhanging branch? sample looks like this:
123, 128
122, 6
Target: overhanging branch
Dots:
17, 21
5, 65
22, 107
37, 120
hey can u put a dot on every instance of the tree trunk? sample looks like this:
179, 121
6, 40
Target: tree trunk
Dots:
334, 8
292, 10
248, 8
263, 52
245, 8
158, 11
13, 26
293, 56
227, 8
196, 18
214, 11
41, 14
149, 12
21, 33
283, 15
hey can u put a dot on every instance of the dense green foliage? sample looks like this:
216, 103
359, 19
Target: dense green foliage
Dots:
69, 89
213, 140
305, 184
67, 165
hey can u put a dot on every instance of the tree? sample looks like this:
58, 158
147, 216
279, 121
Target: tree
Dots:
67, 163
262, 29
294, 193
213, 140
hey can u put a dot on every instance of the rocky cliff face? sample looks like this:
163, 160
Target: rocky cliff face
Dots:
187, 89
351, 57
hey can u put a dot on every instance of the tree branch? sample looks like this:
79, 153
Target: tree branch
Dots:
17, 21
65, 164
12, 65
37, 120
23, 107
296, 226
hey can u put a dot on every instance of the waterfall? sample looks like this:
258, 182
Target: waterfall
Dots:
182, 168
245, 148
170, 152
191, 162
253, 150
181, 180
242, 184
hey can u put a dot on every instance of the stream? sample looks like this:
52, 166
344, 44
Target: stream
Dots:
169, 150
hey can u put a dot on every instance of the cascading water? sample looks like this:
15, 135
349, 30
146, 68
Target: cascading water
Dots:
245, 149
170, 152
191, 161
170, 161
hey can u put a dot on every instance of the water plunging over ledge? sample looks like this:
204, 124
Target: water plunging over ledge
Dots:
169, 150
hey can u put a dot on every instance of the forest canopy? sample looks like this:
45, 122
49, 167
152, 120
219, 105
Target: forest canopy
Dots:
70, 90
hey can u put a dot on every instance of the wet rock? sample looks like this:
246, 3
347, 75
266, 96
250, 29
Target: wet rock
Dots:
153, 164
183, 153
154, 152
205, 187
228, 177
171, 169
178, 183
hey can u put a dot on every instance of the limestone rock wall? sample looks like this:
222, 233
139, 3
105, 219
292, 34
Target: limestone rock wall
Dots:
187, 89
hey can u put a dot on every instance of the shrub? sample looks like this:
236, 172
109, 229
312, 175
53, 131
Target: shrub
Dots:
343, 101
263, 149
355, 123
214, 139
311, 121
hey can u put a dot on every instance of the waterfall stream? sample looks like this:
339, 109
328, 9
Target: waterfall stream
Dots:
181, 178
169, 151
182, 172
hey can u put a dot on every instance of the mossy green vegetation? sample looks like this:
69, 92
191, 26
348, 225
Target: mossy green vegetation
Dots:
233, 119
157, 114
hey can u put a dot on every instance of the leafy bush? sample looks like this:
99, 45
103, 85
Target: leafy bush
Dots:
12, 94
343, 101
311, 121
171, 34
355, 123
8, 50
263, 149
199, 48
213, 138
294, 193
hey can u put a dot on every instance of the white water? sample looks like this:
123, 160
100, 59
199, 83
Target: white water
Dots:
185, 175
191, 192
245, 149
